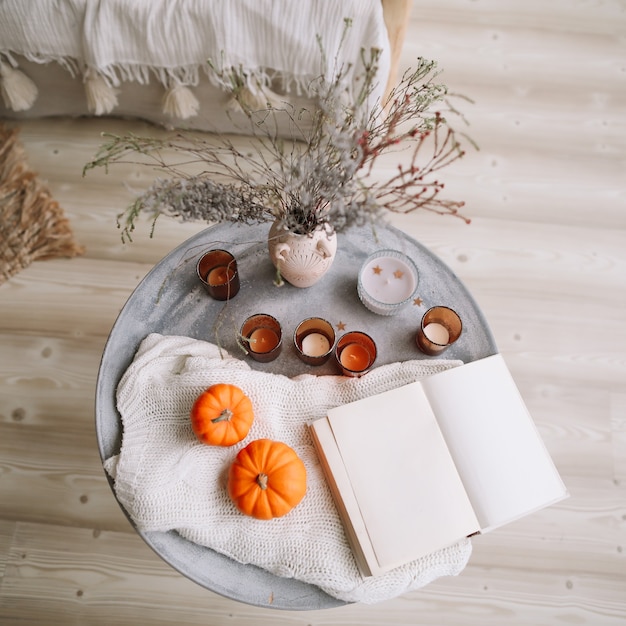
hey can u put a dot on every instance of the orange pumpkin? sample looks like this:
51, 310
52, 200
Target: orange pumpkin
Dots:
267, 479
222, 415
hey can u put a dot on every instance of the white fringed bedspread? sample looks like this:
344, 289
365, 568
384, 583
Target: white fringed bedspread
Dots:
275, 42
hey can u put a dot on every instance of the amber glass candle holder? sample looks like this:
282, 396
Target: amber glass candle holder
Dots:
261, 337
439, 329
314, 339
217, 271
355, 353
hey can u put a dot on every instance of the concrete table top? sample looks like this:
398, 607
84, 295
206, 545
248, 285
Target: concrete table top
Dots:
171, 300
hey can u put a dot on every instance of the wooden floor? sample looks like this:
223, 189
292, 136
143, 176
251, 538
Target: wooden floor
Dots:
545, 257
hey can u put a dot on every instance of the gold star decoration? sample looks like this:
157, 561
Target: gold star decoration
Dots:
377, 269
398, 273
341, 326
418, 302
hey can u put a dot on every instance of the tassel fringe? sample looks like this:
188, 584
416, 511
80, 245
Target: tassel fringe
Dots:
255, 99
19, 92
101, 97
179, 101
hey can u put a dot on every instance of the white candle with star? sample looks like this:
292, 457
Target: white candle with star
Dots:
387, 281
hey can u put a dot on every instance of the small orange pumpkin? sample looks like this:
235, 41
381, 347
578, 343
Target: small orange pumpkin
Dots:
267, 479
222, 415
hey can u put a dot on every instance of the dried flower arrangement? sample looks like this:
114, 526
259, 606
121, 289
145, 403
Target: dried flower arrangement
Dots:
320, 177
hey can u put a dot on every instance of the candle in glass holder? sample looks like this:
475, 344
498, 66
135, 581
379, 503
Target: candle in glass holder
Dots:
217, 271
261, 337
439, 329
387, 282
314, 339
355, 353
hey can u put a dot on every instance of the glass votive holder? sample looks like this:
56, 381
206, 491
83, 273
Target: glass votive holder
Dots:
355, 353
314, 339
217, 271
387, 281
439, 329
261, 337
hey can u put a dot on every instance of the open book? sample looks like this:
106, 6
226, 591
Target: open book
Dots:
420, 467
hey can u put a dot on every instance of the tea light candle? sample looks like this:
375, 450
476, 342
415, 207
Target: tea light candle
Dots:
387, 281
314, 339
355, 353
263, 340
261, 337
220, 275
439, 329
355, 357
437, 333
217, 271
315, 344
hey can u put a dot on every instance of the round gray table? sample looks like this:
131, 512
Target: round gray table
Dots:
171, 301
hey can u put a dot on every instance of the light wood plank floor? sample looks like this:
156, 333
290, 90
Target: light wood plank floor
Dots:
545, 257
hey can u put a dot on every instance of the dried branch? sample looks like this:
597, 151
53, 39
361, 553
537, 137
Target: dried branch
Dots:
323, 175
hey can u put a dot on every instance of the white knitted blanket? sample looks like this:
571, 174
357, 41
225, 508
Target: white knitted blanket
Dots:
167, 480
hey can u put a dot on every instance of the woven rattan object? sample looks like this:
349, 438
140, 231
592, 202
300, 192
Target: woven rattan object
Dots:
32, 224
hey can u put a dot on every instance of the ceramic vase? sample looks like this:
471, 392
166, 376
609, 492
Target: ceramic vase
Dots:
301, 259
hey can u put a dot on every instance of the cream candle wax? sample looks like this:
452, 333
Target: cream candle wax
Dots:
315, 344
437, 333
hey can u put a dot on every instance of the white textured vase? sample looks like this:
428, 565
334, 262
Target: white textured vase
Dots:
301, 259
